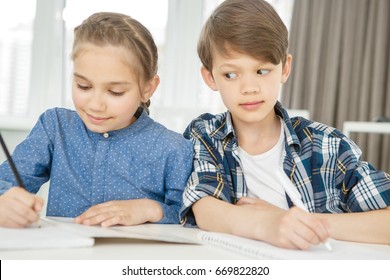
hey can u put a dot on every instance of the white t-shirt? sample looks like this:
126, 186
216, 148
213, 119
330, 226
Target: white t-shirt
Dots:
262, 173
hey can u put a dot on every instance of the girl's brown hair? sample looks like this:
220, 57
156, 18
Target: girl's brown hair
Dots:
120, 30
251, 27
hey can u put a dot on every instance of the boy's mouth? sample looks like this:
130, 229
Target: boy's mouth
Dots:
253, 105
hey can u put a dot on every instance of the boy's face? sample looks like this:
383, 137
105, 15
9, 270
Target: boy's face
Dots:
105, 90
249, 88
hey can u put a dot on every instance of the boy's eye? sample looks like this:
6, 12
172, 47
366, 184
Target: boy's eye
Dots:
262, 72
83, 87
230, 75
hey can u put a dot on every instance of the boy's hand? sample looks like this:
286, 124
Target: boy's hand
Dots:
293, 229
19, 208
122, 212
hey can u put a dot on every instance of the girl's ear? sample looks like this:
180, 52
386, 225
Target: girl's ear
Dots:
150, 88
208, 78
286, 69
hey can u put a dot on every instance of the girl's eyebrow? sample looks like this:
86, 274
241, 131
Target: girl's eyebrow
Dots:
110, 83
79, 76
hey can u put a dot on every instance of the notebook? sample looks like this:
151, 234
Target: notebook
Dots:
47, 235
64, 233
260, 250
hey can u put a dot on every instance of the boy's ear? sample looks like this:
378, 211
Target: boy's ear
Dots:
208, 78
286, 69
150, 88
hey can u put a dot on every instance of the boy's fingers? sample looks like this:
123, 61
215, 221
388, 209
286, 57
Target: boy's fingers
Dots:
246, 200
314, 230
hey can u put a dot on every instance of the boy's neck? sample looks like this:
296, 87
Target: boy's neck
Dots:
258, 138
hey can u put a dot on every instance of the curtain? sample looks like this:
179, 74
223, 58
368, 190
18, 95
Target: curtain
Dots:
340, 71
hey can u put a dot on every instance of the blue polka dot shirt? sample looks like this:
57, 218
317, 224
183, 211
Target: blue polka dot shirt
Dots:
143, 160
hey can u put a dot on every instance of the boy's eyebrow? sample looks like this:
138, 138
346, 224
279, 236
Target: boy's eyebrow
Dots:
227, 65
110, 83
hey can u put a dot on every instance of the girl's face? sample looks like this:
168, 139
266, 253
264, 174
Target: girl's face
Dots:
249, 88
106, 92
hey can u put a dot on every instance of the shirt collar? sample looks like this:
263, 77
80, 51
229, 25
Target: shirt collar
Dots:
142, 121
289, 131
224, 127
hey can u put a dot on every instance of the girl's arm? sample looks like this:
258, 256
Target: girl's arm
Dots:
19, 208
32, 157
138, 211
122, 212
178, 170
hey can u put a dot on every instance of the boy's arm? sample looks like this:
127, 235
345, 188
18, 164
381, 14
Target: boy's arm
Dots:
370, 227
365, 193
256, 219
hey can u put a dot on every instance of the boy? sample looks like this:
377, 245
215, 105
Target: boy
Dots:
237, 184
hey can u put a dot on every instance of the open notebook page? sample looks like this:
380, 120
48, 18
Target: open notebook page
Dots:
47, 235
260, 250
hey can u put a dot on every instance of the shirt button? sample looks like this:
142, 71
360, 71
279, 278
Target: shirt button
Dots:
106, 135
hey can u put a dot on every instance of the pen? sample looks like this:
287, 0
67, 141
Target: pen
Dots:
296, 199
12, 164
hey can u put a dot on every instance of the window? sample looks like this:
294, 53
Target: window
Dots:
40, 36
15, 56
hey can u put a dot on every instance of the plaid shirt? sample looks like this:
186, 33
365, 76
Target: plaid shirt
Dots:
322, 163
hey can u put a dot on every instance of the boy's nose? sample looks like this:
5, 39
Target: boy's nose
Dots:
250, 85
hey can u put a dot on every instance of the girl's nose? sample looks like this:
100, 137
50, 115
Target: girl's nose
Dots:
97, 101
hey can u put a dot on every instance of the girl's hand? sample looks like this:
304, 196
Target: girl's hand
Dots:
292, 229
19, 208
122, 212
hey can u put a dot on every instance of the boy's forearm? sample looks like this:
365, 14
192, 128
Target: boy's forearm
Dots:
212, 214
366, 227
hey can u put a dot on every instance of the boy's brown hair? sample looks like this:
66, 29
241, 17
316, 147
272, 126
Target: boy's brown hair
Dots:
251, 27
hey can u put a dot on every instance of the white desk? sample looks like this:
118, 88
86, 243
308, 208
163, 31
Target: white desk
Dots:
367, 127
127, 249
139, 249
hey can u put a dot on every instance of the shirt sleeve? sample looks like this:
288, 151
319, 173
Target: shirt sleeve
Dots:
363, 187
207, 177
32, 158
178, 169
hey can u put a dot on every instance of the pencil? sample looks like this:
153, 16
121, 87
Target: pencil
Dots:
296, 199
13, 167
11, 163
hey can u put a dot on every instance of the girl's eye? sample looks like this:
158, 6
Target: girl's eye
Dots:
115, 93
230, 75
262, 71
83, 87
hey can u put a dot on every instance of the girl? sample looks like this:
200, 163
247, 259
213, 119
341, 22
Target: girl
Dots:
108, 162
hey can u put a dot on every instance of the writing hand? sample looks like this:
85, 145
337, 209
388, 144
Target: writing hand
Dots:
19, 208
292, 229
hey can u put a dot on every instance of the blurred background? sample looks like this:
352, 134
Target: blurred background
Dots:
340, 71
